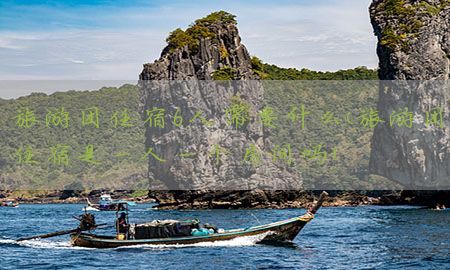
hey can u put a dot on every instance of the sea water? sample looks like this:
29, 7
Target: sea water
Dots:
367, 237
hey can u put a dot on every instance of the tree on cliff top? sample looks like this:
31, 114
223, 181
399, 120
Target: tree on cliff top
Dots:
199, 29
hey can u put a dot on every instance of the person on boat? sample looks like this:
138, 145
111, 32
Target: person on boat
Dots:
122, 225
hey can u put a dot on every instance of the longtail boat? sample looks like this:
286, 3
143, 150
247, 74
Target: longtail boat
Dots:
280, 231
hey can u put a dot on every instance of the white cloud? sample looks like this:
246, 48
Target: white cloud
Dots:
75, 61
9, 44
315, 38
26, 65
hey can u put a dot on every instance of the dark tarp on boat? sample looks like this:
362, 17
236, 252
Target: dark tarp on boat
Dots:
164, 229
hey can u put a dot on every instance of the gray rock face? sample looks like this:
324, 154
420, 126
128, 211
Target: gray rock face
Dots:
181, 83
223, 50
413, 44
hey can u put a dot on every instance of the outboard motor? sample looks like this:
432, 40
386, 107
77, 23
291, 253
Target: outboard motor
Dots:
87, 222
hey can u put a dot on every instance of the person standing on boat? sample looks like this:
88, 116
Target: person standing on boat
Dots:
122, 225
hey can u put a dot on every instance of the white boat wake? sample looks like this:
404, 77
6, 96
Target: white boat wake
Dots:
40, 244
49, 244
236, 242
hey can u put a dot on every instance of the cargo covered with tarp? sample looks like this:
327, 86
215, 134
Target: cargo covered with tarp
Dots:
164, 229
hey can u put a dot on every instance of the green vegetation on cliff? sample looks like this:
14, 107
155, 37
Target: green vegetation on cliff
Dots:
192, 35
224, 74
404, 19
272, 72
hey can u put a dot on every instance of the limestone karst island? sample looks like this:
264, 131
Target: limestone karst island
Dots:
225, 134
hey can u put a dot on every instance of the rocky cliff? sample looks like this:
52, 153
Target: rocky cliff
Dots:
413, 44
212, 44
202, 156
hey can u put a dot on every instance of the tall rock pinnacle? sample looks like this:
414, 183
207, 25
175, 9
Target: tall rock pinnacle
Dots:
210, 44
191, 80
413, 44
413, 38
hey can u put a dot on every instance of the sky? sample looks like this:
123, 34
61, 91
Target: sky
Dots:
110, 40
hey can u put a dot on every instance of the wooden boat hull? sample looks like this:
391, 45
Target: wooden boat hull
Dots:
285, 230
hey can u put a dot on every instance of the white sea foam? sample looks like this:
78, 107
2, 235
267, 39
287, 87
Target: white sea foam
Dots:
236, 242
6, 241
40, 243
